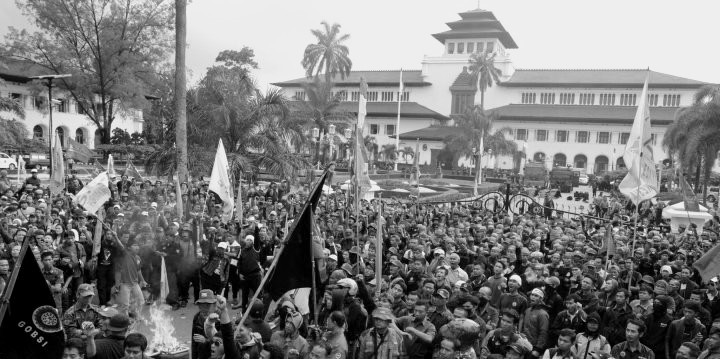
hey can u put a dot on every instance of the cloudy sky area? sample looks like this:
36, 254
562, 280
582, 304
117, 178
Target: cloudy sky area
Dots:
668, 36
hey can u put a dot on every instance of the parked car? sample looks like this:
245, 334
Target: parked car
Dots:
584, 179
7, 162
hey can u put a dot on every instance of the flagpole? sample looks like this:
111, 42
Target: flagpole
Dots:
637, 214
378, 251
13, 279
282, 247
313, 291
397, 127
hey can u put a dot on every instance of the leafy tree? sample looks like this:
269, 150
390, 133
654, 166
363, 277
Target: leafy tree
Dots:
111, 48
329, 54
120, 137
389, 153
482, 67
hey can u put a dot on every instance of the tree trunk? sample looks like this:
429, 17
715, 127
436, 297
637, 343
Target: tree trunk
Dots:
478, 164
180, 89
708, 172
698, 171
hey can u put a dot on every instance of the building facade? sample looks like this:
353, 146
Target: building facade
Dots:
68, 119
560, 117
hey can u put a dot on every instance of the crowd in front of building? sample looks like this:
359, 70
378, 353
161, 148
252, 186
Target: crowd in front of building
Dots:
457, 280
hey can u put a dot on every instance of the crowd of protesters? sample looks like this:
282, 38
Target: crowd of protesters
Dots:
457, 281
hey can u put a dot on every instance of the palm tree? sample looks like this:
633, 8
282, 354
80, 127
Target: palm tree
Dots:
180, 92
476, 125
482, 67
693, 136
320, 110
329, 54
407, 152
389, 153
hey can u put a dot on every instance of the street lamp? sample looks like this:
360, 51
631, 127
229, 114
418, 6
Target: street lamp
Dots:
348, 133
49, 85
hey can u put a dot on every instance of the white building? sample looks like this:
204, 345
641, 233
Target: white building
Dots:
570, 116
68, 121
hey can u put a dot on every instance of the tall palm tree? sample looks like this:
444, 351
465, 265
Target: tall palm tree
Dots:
406, 152
482, 67
329, 55
180, 88
476, 125
694, 135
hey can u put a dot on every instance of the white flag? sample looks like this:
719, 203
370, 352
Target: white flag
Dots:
111, 167
362, 104
220, 182
94, 194
641, 181
57, 179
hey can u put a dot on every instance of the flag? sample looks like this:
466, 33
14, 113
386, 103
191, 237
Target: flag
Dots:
78, 152
709, 264
132, 172
294, 264
178, 195
220, 182
94, 194
57, 179
97, 169
689, 198
641, 181
362, 176
608, 244
402, 86
21, 165
111, 167
239, 203
30, 325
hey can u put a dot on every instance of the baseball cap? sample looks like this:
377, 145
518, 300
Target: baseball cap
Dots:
383, 314
442, 293
119, 322
85, 290
34, 170
206, 296
108, 312
333, 257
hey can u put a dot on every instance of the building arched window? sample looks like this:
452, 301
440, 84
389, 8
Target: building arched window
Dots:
61, 135
560, 160
601, 164
37, 132
80, 136
580, 161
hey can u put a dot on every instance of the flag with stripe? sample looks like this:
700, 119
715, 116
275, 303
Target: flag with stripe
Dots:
641, 181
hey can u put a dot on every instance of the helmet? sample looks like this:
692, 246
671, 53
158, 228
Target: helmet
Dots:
349, 284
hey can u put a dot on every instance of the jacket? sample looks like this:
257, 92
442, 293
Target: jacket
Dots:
676, 336
536, 326
578, 323
585, 344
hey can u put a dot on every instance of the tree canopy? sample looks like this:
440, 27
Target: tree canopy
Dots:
112, 49
329, 55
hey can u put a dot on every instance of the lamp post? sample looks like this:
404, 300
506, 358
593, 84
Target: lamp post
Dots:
331, 135
49, 85
347, 133
316, 139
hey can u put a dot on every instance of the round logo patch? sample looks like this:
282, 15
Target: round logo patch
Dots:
47, 319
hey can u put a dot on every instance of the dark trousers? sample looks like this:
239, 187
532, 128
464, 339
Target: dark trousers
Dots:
212, 282
251, 282
105, 282
234, 281
185, 278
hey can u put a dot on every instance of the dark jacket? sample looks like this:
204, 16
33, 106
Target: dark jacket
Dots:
656, 332
676, 336
535, 327
578, 323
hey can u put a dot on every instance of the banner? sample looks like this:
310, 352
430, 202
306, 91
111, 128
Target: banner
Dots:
30, 325
641, 181
57, 178
220, 182
94, 194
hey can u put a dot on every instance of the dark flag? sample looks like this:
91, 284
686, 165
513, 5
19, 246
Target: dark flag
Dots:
30, 325
294, 265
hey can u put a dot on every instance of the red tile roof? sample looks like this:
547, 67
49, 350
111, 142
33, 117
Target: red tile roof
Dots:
582, 114
411, 78
408, 110
626, 78
19, 70
432, 133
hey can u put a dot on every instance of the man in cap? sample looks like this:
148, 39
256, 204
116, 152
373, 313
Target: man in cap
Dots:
572, 317
441, 315
496, 342
200, 347
105, 315
536, 322
381, 342
110, 347
591, 341
513, 299
33, 179
82, 311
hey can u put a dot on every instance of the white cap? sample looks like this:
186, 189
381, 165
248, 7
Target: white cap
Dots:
251, 219
333, 257
516, 278
153, 205
223, 245
249, 237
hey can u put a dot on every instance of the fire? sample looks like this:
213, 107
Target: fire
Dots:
163, 330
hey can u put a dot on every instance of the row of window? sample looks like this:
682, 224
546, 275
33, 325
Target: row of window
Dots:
606, 99
470, 47
389, 129
39, 103
38, 134
372, 96
602, 137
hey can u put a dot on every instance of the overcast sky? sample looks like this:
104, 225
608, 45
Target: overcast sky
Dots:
668, 36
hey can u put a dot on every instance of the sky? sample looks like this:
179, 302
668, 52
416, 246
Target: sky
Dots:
667, 36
